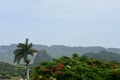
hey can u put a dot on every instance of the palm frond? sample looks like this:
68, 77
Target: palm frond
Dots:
22, 52
20, 45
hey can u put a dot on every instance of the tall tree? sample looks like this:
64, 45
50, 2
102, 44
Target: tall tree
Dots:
22, 52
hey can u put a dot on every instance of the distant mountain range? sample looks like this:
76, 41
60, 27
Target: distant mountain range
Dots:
104, 55
55, 51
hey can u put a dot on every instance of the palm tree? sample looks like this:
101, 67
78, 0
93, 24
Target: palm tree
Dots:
22, 52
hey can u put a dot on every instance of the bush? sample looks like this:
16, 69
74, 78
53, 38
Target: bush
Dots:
77, 68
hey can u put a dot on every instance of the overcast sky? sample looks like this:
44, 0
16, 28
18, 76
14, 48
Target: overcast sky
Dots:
61, 22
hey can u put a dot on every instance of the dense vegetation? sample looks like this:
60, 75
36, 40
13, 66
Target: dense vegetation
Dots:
8, 71
77, 68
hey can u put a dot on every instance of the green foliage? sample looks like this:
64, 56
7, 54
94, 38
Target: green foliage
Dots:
22, 52
8, 71
77, 68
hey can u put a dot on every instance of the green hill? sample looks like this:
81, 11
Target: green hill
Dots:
55, 51
110, 56
8, 70
42, 56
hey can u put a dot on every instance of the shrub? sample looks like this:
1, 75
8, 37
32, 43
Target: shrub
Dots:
77, 68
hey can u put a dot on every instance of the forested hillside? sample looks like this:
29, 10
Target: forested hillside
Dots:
42, 56
55, 51
110, 56
7, 71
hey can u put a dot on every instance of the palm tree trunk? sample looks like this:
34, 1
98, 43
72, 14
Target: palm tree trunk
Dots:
27, 68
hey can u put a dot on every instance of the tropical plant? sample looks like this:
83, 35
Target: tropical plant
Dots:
22, 53
76, 68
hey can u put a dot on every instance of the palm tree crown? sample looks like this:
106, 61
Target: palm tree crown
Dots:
22, 52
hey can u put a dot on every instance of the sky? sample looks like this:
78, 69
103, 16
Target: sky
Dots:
61, 22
